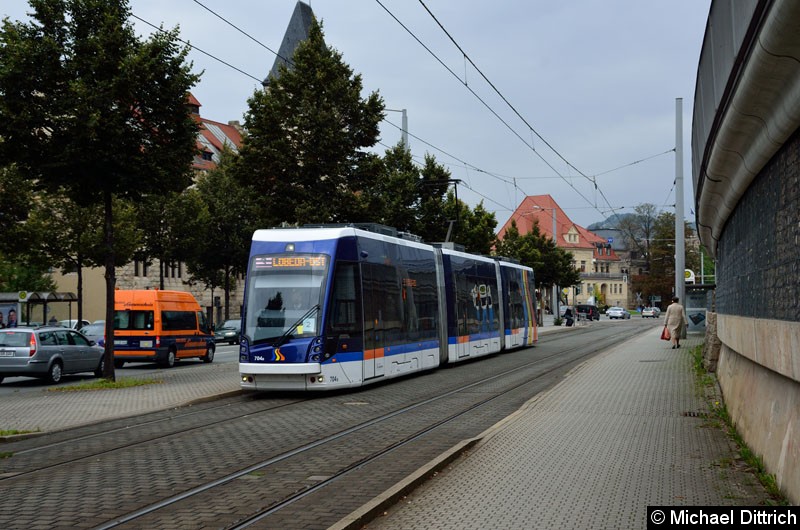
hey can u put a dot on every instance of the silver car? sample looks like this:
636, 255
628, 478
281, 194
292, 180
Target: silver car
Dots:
617, 312
48, 353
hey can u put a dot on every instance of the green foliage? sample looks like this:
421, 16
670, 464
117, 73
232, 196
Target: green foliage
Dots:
16, 196
15, 277
89, 108
226, 218
550, 263
307, 131
108, 110
659, 277
719, 409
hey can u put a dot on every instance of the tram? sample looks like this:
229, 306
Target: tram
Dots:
340, 307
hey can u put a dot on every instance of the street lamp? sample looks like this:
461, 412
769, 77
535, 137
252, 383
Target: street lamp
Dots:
404, 130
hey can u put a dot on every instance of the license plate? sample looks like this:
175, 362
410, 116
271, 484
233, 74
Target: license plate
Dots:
120, 342
146, 344
6, 353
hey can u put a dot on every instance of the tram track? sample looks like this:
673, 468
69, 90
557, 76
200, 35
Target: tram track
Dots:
172, 488
284, 503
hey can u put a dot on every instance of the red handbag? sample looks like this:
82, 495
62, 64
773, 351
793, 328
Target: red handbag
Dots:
665, 334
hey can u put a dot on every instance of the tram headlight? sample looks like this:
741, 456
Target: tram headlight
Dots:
315, 358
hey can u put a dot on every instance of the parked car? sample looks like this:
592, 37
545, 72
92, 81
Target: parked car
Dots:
73, 324
48, 352
650, 312
617, 312
589, 310
95, 332
228, 332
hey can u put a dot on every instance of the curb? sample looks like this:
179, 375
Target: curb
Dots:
390, 497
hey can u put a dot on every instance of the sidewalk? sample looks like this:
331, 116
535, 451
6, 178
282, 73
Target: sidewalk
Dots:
623, 431
54, 408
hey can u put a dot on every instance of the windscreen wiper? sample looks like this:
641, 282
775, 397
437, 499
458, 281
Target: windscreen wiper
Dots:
288, 333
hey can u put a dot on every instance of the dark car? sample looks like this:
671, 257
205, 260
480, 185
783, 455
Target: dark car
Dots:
228, 332
48, 353
95, 332
589, 310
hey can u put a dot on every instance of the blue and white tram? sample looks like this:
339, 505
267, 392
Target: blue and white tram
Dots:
343, 307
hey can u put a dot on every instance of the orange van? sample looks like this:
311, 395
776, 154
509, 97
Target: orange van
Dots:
160, 326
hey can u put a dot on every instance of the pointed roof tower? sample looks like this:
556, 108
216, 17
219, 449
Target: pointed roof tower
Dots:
296, 32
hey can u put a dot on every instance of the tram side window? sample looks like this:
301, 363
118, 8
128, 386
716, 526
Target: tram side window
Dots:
515, 319
345, 301
422, 310
383, 311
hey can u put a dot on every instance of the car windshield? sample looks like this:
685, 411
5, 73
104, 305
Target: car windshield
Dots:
94, 329
281, 290
231, 324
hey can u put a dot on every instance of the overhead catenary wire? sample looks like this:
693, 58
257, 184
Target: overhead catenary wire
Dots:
505, 179
592, 179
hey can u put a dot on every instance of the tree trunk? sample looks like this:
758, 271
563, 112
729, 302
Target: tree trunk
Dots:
227, 292
111, 283
79, 267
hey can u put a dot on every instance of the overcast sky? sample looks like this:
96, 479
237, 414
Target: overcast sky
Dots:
596, 80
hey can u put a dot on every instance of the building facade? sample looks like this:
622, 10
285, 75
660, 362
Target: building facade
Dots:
604, 276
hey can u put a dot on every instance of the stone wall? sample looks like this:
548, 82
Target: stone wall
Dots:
758, 316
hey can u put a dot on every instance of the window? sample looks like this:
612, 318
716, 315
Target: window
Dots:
178, 320
583, 265
133, 320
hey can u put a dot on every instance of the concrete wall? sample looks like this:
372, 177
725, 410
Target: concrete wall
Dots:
759, 381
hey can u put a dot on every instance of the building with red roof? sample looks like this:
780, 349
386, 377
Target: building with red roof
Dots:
604, 276
212, 138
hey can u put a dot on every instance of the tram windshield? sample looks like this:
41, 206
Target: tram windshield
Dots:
284, 294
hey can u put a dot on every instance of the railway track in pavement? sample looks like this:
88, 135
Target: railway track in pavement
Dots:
269, 461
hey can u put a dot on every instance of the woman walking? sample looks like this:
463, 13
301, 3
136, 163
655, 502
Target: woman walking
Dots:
676, 319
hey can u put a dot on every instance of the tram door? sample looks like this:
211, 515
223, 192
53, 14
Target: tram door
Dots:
375, 278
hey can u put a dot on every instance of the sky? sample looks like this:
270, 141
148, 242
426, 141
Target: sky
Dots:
586, 110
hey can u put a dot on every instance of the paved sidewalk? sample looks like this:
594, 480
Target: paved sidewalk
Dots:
55, 408
623, 431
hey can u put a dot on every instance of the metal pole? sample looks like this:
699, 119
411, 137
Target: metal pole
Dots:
680, 252
405, 130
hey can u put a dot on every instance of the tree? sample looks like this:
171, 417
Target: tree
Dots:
87, 106
307, 132
550, 263
394, 197
474, 229
16, 277
637, 232
68, 236
221, 245
659, 280
432, 221
16, 197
